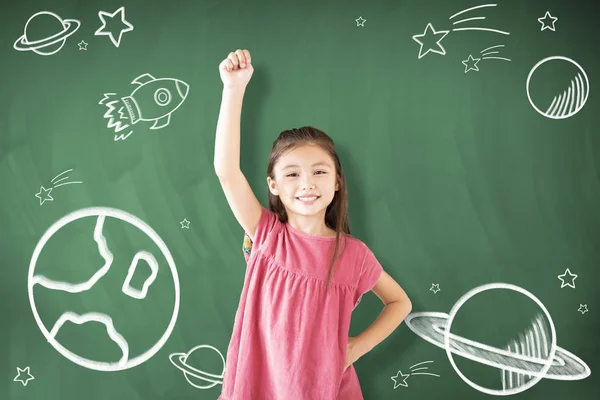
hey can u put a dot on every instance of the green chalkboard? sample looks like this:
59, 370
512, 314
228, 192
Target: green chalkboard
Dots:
468, 133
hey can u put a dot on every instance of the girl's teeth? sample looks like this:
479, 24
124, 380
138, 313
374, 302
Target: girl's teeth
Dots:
307, 198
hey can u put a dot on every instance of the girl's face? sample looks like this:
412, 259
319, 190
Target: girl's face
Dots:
306, 171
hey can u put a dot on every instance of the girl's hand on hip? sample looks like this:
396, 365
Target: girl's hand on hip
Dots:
353, 352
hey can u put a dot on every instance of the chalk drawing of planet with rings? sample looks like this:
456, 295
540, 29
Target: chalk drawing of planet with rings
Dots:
45, 33
194, 376
551, 93
522, 363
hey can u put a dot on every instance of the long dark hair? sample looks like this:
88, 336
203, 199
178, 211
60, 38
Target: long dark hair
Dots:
336, 215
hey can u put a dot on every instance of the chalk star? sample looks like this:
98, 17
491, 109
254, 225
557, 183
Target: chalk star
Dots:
82, 45
435, 34
544, 21
360, 21
571, 278
583, 308
403, 378
103, 14
471, 63
24, 381
435, 287
45, 196
185, 224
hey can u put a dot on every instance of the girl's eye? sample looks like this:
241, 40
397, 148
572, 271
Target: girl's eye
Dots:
288, 175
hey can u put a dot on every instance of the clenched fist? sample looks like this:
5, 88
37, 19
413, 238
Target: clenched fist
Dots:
236, 70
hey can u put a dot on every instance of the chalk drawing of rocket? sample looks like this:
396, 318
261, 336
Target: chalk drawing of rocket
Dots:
153, 100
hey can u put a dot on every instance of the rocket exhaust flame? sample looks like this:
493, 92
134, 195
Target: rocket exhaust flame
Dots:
113, 122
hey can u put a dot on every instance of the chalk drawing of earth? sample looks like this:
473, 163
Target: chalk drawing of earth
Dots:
104, 289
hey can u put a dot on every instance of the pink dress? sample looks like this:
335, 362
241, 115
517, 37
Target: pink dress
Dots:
289, 336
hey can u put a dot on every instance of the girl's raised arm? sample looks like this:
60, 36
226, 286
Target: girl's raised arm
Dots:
236, 71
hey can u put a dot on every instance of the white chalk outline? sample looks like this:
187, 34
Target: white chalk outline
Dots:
101, 213
434, 32
544, 26
82, 287
54, 182
82, 45
118, 125
196, 373
472, 8
102, 14
570, 284
29, 376
57, 37
474, 18
466, 62
152, 263
160, 102
412, 368
534, 344
435, 287
130, 104
102, 318
360, 21
559, 103
442, 329
484, 56
583, 308
467, 19
404, 378
46, 195
185, 224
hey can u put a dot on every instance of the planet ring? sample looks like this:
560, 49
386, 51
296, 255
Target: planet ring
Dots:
178, 360
69, 28
431, 327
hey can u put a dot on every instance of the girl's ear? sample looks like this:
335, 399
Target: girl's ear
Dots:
272, 186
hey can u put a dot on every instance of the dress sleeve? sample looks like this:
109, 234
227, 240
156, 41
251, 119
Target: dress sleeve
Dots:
370, 272
266, 224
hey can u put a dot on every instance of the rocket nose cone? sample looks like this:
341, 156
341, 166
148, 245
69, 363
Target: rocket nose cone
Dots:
182, 88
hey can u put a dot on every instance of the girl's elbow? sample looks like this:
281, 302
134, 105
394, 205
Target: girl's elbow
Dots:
407, 305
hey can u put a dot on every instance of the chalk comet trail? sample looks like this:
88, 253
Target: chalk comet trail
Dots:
474, 18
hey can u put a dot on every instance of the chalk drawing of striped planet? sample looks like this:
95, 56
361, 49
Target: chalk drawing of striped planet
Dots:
560, 87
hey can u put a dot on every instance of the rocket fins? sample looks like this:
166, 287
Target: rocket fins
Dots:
142, 79
161, 122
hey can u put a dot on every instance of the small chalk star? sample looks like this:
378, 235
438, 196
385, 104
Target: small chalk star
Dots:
547, 24
360, 21
82, 45
471, 63
583, 308
20, 378
44, 196
435, 287
398, 378
571, 278
185, 224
